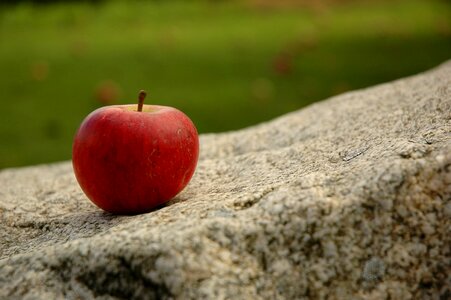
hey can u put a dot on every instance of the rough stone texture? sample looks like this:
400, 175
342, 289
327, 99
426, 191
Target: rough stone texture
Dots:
345, 199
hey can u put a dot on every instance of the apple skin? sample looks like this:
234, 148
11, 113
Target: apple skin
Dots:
129, 162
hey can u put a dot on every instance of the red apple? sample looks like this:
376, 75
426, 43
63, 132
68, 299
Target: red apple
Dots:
129, 159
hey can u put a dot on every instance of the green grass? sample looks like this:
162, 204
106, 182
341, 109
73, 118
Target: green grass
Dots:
215, 62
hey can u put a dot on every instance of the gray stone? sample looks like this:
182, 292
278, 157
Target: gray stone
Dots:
348, 198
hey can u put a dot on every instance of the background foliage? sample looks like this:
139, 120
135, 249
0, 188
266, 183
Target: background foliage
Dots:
226, 64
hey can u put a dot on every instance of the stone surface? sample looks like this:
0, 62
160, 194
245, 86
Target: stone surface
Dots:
345, 199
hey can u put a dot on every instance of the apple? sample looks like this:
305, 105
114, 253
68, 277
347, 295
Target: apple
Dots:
129, 159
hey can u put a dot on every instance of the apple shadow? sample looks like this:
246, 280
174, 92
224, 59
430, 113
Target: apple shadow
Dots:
175, 200
91, 217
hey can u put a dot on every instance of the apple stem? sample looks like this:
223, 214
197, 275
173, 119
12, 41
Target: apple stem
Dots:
142, 95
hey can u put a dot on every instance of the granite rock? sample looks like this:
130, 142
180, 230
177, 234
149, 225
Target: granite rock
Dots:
348, 198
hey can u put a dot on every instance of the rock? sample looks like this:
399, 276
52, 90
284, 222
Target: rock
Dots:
345, 199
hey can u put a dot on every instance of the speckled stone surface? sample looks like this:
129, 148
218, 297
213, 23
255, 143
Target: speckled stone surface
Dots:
346, 199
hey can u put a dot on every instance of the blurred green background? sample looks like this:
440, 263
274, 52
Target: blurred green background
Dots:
227, 64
